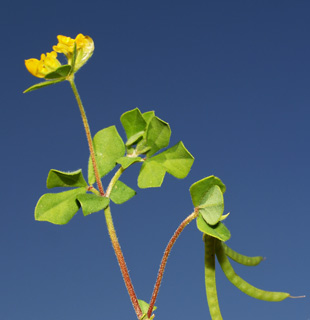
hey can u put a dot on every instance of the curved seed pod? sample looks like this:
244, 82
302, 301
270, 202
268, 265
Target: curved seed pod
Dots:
242, 284
211, 291
240, 258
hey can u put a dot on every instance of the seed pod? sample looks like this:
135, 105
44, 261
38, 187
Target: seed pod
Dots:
210, 278
240, 258
242, 284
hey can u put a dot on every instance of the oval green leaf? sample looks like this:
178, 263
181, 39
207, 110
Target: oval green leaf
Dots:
134, 139
176, 160
199, 189
126, 162
109, 147
148, 116
58, 208
151, 175
142, 147
218, 231
134, 125
61, 72
91, 203
58, 178
121, 193
157, 135
212, 205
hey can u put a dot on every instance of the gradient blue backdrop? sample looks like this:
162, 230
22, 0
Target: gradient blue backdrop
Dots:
232, 79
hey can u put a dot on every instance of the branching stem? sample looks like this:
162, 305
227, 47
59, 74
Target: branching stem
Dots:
121, 262
163, 263
107, 211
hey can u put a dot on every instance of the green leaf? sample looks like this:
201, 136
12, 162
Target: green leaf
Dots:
58, 208
224, 216
73, 58
42, 84
58, 178
176, 160
134, 125
92, 203
142, 147
218, 231
121, 193
134, 139
199, 189
212, 205
157, 135
109, 147
151, 175
144, 308
125, 162
148, 116
60, 72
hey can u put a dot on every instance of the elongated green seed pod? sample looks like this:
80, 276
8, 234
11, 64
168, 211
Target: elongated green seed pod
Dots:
211, 291
242, 284
240, 258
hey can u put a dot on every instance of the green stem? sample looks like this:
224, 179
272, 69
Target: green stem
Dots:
116, 176
88, 135
164, 260
121, 262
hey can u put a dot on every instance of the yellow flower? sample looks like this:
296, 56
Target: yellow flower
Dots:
84, 49
40, 68
48, 63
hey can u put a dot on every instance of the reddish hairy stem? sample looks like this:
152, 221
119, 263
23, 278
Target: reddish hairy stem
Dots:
122, 263
88, 136
163, 263
107, 212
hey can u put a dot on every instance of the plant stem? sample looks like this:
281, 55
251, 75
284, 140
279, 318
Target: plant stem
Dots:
93, 190
163, 263
88, 135
107, 211
121, 262
116, 176
117, 247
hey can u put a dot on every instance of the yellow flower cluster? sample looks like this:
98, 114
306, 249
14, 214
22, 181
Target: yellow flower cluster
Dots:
66, 44
49, 63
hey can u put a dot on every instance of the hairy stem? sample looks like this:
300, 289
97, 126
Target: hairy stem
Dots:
121, 262
88, 135
116, 176
163, 263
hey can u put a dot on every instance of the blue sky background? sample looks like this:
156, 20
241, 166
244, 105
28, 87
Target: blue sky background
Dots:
232, 79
